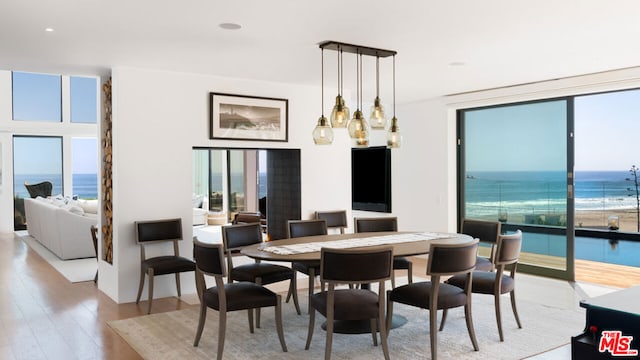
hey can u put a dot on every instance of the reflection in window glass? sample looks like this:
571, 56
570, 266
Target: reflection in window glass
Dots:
37, 97
35, 159
84, 167
215, 180
84, 100
236, 181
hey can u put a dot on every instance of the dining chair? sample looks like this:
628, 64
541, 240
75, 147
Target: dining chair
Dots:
496, 283
301, 228
94, 238
230, 297
444, 260
487, 232
379, 224
234, 238
156, 232
335, 219
354, 266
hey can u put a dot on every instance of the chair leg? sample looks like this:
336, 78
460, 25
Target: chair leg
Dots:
312, 279
433, 331
469, 320
383, 333
295, 276
393, 279
312, 320
389, 311
201, 320
374, 331
293, 289
279, 322
178, 284
329, 340
259, 282
498, 315
444, 318
150, 274
250, 318
141, 286
222, 329
410, 273
513, 306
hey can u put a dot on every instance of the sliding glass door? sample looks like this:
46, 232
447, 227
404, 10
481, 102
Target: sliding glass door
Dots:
515, 167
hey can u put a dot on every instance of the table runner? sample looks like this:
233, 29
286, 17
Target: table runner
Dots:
352, 243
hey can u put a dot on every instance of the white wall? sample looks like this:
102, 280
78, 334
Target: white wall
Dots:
157, 118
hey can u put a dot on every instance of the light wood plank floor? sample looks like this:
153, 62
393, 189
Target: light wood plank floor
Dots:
44, 316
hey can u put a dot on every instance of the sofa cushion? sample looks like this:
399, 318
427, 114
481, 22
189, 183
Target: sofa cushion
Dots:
89, 206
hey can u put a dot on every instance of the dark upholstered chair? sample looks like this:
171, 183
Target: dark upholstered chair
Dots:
246, 218
379, 224
497, 283
230, 297
234, 238
444, 259
300, 228
40, 189
94, 237
335, 219
152, 233
354, 266
487, 232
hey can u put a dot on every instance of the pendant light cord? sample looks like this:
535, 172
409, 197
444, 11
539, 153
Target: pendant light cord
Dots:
377, 76
394, 86
322, 79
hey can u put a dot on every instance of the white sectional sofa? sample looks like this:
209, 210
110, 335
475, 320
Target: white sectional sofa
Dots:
62, 226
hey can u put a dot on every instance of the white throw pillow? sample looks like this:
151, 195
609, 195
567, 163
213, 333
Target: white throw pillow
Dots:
89, 206
74, 209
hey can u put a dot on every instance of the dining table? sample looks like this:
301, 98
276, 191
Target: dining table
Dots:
307, 248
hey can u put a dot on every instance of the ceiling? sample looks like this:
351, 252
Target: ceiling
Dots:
443, 47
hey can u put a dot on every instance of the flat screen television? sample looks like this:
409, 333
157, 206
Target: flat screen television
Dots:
371, 179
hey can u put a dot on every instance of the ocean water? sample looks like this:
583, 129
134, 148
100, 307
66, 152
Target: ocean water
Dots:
85, 186
522, 192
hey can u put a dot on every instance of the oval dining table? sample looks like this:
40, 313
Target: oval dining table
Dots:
307, 248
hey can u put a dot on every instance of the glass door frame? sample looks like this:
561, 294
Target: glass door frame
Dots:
569, 231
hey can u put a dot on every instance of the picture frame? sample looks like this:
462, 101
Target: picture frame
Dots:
244, 117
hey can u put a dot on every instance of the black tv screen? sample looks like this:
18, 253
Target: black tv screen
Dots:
371, 179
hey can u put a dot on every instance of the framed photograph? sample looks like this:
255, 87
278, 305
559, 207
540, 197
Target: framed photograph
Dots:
241, 117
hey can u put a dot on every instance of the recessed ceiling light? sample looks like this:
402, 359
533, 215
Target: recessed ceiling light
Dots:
230, 26
48, 29
457, 63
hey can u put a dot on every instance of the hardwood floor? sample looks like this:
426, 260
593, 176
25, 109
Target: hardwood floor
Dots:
44, 316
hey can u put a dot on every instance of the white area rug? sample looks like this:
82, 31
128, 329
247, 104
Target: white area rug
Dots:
170, 335
77, 270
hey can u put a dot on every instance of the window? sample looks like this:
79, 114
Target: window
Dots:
84, 100
37, 97
35, 159
84, 167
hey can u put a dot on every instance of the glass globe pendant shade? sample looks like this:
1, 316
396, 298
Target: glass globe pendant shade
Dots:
359, 130
340, 113
378, 119
394, 138
322, 134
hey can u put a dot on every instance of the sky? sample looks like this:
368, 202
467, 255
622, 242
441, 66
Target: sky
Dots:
532, 136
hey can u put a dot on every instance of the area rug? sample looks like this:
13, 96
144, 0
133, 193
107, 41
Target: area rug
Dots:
76, 270
170, 335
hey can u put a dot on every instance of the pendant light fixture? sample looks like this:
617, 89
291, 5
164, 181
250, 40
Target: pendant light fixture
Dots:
394, 138
322, 134
358, 127
378, 119
340, 113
